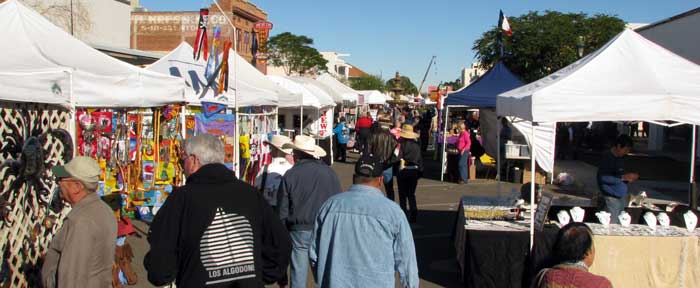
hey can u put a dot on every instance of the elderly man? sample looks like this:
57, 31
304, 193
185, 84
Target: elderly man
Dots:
575, 253
81, 254
216, 230
361, 238
303, 190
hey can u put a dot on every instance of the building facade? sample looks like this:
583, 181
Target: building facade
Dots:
471, 73
336, 65
162, 32
96, 22
679, 34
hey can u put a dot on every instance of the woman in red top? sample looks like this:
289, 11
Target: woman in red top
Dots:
464, 143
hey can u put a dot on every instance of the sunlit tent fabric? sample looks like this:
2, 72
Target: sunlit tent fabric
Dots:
42, 63
628, 79
253, 87
317, 85
347, 93
373, 96
483, 91
310, 96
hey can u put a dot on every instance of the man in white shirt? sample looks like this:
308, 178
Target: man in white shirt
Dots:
269, 178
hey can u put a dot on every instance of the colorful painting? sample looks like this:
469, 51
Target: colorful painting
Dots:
219, 124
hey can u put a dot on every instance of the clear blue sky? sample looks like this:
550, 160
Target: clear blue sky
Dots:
384, 36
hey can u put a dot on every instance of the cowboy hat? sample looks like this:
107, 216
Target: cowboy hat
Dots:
407, 132
278, 141
307, 145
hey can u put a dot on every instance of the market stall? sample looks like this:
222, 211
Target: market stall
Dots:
635, 79
481, 94
256, 96
315, 111
62, 98
495, 252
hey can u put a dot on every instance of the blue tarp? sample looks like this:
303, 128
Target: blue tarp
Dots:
483, 91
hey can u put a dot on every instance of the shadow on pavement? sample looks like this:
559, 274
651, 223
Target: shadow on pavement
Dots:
437, 264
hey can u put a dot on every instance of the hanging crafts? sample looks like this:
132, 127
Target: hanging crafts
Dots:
223, 77
213, 60
201, 42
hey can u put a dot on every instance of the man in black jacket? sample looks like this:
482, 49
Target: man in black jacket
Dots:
217, 230
303, 190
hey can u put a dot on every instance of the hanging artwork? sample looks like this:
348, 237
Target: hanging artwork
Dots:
219, 124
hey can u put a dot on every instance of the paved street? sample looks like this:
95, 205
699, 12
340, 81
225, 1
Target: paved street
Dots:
437, 204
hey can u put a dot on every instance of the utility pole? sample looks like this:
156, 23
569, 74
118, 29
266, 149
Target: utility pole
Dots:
426, 74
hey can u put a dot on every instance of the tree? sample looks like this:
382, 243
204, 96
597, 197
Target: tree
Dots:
408, 87
367, 82
456, 84
542, 44
295, 55
59, 13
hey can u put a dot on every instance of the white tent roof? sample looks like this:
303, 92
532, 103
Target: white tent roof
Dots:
42, 63
253, 87
310, 94
346, 93
374, 96
630, 78
335, 96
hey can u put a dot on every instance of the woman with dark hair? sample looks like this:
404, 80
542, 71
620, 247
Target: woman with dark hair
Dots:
575, 253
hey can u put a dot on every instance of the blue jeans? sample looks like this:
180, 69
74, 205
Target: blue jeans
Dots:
300, 257
389, 182
464, 167
614, 206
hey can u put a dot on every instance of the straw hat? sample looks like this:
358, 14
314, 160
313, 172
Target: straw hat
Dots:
407, 132
278, 141
307, 145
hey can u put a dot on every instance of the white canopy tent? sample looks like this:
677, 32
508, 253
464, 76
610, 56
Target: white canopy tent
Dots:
310, 95
628, 79
374, 97
254, 89
317, 85
346, 93
42, 63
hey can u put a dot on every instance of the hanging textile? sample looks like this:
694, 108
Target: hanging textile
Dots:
201, 43
213, 61
223, 78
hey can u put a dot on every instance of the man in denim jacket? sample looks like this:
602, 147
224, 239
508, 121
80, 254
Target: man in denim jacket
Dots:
361, 238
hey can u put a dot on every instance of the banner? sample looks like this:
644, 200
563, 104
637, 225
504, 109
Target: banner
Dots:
218, 124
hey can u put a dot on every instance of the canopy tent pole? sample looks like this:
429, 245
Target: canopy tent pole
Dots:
444, 144
498, 157
331, 134
236, 134
532, 186
73, 112
183, 121
693, 192
277, 119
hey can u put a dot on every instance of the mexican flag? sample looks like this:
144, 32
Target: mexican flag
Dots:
504, 25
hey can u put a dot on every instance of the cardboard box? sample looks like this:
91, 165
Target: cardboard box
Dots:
540, 177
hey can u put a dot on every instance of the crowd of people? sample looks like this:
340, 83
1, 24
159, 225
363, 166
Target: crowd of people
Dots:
218, 230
